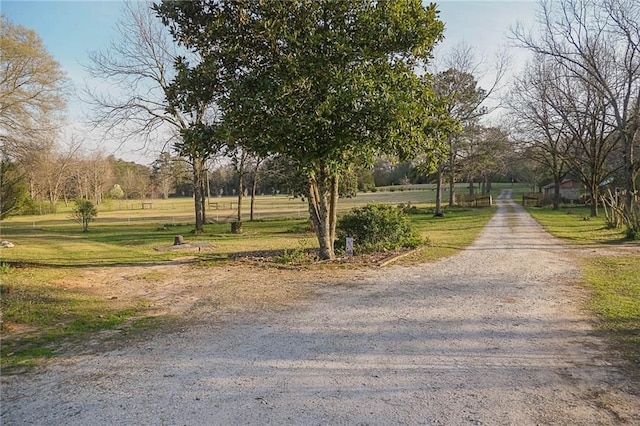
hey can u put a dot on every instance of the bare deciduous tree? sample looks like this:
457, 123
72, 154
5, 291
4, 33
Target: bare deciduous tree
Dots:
31, 92
465, 101
598, 43
141, 64
536, 123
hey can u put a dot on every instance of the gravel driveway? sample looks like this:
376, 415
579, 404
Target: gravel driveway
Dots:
492, 336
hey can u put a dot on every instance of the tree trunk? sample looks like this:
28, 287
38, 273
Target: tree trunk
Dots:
595, 194
205, 197
254, 186
556, 192
322, 200
452, 178
240, 195
439, 212
472, 188
197, 193
333, 210
630, 170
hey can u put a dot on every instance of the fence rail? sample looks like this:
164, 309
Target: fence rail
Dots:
532, 199
475, 200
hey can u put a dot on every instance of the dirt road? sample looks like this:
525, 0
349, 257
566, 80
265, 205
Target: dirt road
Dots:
492, 336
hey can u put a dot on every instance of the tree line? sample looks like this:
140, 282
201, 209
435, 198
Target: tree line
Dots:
576, 107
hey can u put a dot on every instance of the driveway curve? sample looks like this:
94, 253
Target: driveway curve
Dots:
492, 336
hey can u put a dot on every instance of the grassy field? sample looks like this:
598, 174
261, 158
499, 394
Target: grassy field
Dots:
125, 233
50, 250
47, 314
613, 277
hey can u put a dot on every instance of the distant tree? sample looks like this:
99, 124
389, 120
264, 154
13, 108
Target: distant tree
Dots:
142, 65
116, 192
254, 177
592, 140
523, 168
389, 171
84, 212
101, 175
485, 155
162, 174
133, 178
13, 190
463, 99
465, 102
240, 160
51, 169
31, 92
531, 103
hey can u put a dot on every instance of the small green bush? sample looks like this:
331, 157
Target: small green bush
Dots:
376, 227
297, 256
84, 212
633, 233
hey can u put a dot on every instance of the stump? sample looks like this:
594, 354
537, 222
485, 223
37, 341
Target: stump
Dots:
178, 240
236, 227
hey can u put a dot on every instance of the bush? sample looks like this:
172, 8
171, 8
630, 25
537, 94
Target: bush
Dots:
633, 233
34, 208
84, 212
376, 227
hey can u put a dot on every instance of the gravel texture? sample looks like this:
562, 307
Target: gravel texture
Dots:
492, 336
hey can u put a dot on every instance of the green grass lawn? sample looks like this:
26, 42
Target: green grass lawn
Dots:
613, 281
124, 233
48, 313
574, 225
49, 249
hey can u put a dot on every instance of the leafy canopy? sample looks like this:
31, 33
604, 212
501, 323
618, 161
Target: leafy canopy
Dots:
315, 80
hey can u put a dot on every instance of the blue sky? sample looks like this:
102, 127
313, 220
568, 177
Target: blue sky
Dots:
72, 28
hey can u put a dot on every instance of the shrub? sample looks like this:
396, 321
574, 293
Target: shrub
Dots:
633, 233
297, 256
84, 212
376, 227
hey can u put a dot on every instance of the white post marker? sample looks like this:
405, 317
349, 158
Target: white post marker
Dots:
349, 246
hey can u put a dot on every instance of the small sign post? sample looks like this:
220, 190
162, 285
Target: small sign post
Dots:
349, 246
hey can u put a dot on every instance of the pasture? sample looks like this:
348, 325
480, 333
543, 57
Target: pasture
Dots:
40, 309
126, 233
56, 279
